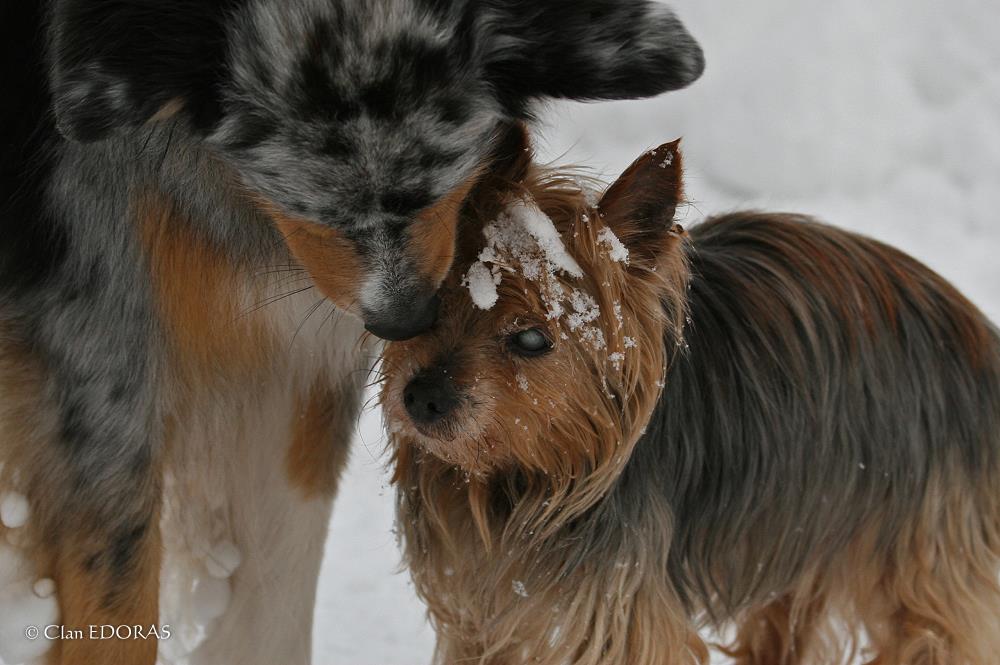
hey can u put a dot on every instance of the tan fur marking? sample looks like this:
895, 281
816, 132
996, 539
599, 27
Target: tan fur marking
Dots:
317, 454
83, 605
778, 634
433, 234
198, 292
27, 429
327, 255
936, 600
25, 420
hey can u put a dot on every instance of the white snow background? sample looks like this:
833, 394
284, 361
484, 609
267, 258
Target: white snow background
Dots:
882, 117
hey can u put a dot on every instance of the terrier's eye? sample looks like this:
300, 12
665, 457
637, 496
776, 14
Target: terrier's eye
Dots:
529, 343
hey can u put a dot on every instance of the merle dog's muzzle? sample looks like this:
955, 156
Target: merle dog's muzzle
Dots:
405, 319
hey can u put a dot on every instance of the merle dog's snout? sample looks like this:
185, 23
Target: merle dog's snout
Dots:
430, 397
405, 320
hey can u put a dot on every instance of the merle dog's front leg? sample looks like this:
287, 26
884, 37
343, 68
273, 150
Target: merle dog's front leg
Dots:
82, 444
104, 526
106, 563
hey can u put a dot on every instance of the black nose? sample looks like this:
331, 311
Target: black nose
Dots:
404, 321
430, 397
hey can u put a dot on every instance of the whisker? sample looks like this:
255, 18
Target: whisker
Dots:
277, 270
166, 149
273, 299
309, 313
369, 402
333, 310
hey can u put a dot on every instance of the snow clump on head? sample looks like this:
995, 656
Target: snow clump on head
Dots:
524, 240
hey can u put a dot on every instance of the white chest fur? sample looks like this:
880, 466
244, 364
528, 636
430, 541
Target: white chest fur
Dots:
242, 543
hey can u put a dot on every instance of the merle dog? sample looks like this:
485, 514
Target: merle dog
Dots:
201, 201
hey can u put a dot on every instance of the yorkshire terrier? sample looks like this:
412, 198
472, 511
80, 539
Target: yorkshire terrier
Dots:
620, 433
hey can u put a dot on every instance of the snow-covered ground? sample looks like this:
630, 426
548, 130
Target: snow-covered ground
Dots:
883, 117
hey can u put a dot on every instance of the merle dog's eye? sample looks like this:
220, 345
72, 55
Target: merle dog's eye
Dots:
529, 343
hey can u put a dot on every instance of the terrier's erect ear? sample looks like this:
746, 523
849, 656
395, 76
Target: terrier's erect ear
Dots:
120, 63
510, 162
512, 153
640, 206
588, 50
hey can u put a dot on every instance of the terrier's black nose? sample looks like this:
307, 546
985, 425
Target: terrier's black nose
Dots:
430, 397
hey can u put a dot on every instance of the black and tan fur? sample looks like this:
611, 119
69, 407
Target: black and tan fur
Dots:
821, 463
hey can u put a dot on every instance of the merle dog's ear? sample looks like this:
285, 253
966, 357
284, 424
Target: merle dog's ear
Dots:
640, 206
588, 49
120, 63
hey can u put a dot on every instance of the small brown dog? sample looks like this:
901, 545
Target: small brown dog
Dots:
620, 432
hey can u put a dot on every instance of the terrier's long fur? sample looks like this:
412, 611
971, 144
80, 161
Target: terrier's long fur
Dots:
197, 196
822, 458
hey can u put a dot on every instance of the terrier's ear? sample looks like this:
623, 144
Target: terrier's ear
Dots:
512, 154
509, 164
587, 50
120, 63
640, 206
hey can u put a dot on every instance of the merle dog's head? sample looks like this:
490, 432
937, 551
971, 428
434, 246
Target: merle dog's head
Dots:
359, 125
